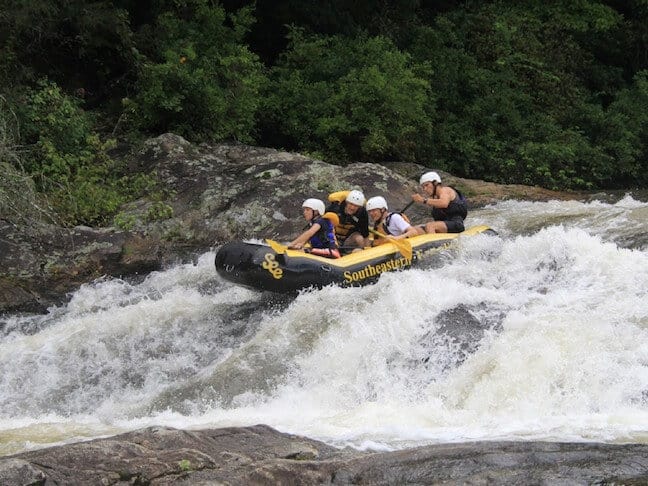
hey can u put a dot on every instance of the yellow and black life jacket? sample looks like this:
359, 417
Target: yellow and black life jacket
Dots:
347, 223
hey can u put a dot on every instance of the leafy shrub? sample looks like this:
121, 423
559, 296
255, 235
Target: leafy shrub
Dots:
623, 136
205, 83
19, 200
513, 104
69, 162
42, 38
349, 98
8, 133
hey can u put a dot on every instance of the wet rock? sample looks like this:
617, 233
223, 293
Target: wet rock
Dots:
262, 455
40, 270
17, 471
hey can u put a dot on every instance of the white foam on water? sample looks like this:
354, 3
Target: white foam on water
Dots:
540, 333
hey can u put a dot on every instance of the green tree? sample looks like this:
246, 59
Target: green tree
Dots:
20, 203
621, 133
513, 88
83, 46
349, 98
69, 161
201, 81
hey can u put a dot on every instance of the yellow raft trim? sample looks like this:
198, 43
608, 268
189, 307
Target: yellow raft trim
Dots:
386, 249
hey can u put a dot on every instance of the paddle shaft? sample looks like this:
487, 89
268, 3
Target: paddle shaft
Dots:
407, 207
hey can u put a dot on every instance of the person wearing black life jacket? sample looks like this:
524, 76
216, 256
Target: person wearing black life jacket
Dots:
449, 206
395, 225
352, 230
320, 234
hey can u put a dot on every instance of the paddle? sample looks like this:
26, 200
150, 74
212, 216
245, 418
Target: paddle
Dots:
407, 207
404, 246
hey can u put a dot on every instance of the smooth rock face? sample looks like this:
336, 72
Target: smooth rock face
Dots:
261, 455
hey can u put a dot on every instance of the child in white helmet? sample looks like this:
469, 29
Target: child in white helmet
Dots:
390, 224
320, 233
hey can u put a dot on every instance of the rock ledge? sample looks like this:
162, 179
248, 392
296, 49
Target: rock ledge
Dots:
262, 455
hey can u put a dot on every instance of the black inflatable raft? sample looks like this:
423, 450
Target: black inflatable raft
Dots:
261, 267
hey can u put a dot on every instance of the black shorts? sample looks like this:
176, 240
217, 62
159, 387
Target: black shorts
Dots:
455, 225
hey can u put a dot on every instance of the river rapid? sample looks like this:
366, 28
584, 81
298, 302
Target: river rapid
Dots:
539, 333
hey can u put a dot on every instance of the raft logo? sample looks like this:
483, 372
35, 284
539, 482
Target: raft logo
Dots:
272, 266
374, 270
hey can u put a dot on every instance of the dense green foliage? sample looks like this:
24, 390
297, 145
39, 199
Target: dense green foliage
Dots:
512, 94
352, 99
546, 93
18, 198
68, 160
201, 80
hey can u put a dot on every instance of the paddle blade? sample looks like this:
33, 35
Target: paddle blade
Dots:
404, 246
278, 248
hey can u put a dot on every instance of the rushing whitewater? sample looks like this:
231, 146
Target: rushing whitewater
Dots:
538, 333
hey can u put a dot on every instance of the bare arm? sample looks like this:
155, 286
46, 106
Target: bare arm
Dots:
417, 198
411, 231
301, 240
445, 195
402, 226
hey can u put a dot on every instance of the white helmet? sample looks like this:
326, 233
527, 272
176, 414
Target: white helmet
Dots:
315, 204
430, 177
377, 202
356, 197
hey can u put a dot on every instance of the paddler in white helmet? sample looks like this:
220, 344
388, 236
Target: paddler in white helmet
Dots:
449, 206
352, 229
395, 225
320, 234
